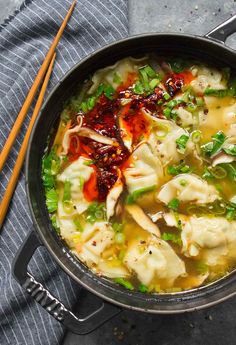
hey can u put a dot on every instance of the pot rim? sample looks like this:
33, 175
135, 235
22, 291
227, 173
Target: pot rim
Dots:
45, 242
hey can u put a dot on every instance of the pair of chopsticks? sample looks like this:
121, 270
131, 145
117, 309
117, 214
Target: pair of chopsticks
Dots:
45, 70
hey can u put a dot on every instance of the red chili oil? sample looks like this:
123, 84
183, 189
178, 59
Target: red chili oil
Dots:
103, 118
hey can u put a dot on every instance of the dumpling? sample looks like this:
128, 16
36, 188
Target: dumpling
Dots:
186, 188
207, 77
122, 68
209, 236
94, 240
156, 260
163, 140
77, 173
185, 118
145, 169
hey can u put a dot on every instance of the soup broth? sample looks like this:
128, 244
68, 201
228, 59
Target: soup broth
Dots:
140, 179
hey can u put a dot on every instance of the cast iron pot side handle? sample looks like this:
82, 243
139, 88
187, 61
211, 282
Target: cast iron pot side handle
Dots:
51, 304
223, 31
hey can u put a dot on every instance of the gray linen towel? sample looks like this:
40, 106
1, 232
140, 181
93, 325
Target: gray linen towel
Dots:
24, 41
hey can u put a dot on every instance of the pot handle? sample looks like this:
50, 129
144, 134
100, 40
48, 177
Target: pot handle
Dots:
51, 304
223, 31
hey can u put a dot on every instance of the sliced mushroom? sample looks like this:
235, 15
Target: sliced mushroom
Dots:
223, 158
90, 133
84, 132
66, 138
143, 220
113, 196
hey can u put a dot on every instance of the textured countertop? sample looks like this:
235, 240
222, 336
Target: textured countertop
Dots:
213, 326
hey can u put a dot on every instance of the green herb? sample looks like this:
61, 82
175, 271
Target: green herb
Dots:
207, 175
231, 92
120, 238
200, 101
182, 142
143, 288
182, 168
218, 172
100, 90
91, 102
153, 83
50, 168
89, 162
201, 267
125, 283
150, 71
95, 211
84, 107
117, 79
231, 170
166, 96
109, 91
178, 65
196, 136
118, 227
167, 112
213, 147
78, 225
54, 223
230, 150
67, 192
173, 204
81, 182
137, 193
231, 211
175, 238
183, 183
138, 88
51, 200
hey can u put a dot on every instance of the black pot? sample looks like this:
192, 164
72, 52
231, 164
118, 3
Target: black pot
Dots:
210, 49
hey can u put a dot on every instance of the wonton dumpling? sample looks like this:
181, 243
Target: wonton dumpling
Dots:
207, 77
209, 236
185, 118
75, 173
94, 240
158, 260
122, 68
164, 145
194, 189
146, 170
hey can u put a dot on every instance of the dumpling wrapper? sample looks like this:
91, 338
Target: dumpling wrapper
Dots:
210, 236
207, 77
165, 146
74, 173
194, 190
158, 260
145, 170
95, 239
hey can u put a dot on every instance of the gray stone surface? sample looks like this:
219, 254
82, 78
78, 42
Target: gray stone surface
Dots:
214, 326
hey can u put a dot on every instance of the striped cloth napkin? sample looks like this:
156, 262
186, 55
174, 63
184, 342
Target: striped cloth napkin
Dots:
24, 41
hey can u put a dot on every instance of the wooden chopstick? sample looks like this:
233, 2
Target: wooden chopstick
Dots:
20, 158
41, 73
